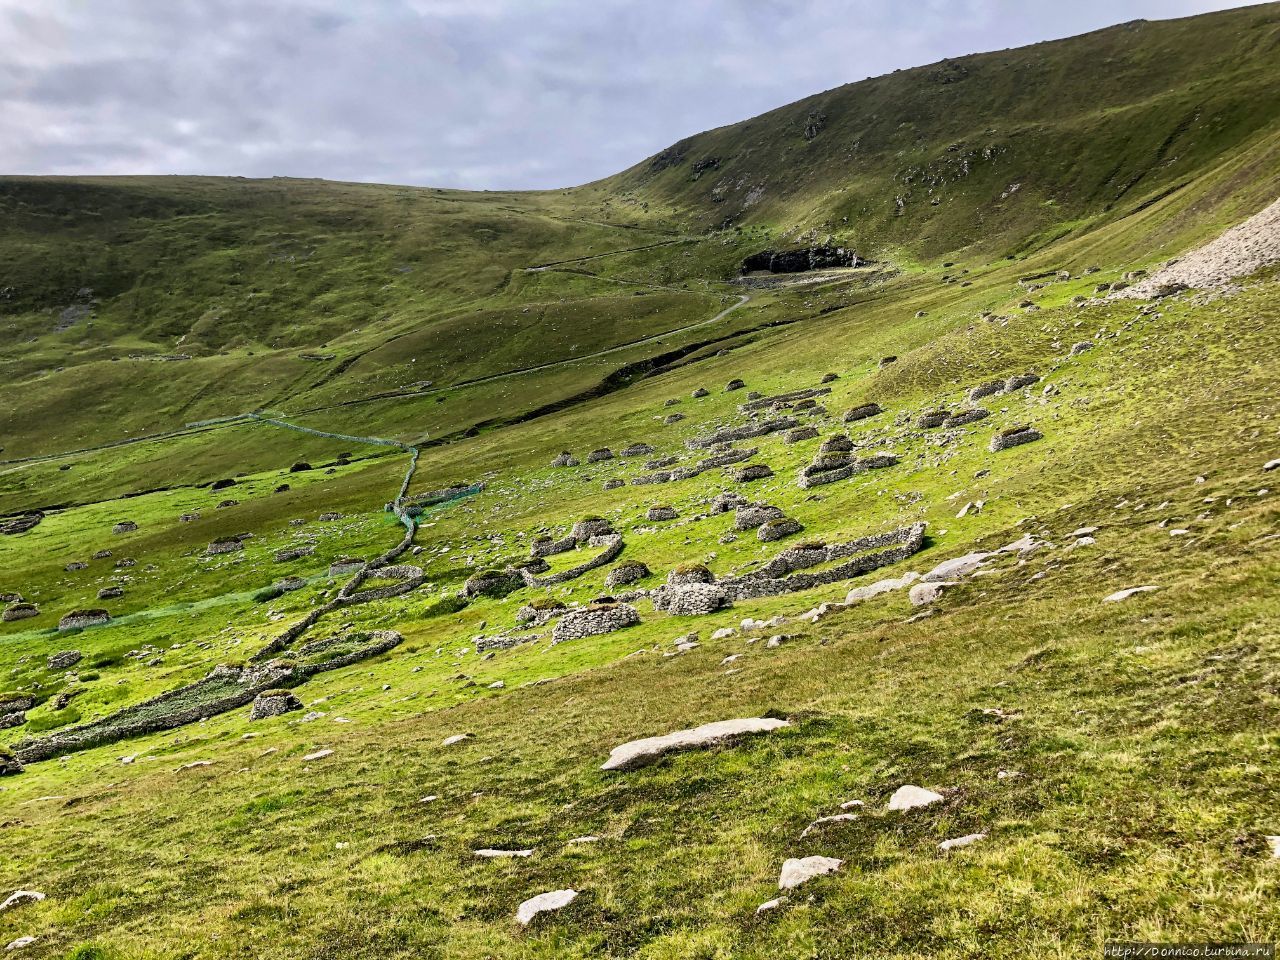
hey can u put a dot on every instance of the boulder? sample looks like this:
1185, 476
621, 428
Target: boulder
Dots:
1081, 347
19, 897
923, 594
964, 841
796, 871
639, 753
957, 567
858, 594
909, 797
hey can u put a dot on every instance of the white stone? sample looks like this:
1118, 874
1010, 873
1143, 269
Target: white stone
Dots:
491, 854
1024, 544
497, 685
1084, 532
852, 805
926, 593
19, 897
195, 763
1179, 532
589, 838
956, 567
429, 798
768, 905
456, 738
1126, 594
723, 633
20, 943
858, 594
318, 755
910, 796
752, 624
823, 821
555, 900
801, 870
732, 658
637, 753
1084, 542
1271, 464
961, 841
774, 642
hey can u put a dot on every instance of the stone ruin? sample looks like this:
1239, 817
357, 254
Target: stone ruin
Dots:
19, 611
778, 528
732, 434
993, 387
566, 459
725, 502
658, 514
863, 412
965, 417
594, 620
229, 545
830, 377
345, 565
492, 583
754, 471
110, 593
274, 703
75, 565
636, 450
12, 526
932, 418
124, 526
598, 456
799, 434
840, 464
614, 484
626, 573
750, 516
734, 384
1014, 437
671, 418
792, 570
64, 659
611, 545
293, 553
589, 527
783, 399
78, 619
101, 555
700, 392
537, 612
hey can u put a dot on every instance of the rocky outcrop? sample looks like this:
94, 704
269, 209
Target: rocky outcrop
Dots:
78, 619
593, 621
1014, 437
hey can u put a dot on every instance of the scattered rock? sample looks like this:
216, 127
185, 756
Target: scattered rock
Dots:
1127, 593
638, 753
19, 897
961, 841
796, 871
909, 797
542, 903
490, 854
318, 755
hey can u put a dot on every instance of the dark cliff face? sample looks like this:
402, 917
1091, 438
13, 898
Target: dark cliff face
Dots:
806, 258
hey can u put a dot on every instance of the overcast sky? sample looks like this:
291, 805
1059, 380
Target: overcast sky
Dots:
461, 93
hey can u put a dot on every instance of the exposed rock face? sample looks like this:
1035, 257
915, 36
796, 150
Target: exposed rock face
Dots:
625, 574
224, 546
593, 621
661, 513
1014, 437
19, 611
690, 599
124, 526
65, 659
639, 753
83, 618
273, 703
566, 459
777, 529
858, 594
863, 412
797, 261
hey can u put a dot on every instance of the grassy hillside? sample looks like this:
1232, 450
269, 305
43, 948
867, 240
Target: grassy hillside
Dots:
1118, 757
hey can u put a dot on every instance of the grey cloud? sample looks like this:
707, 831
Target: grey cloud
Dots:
469, 93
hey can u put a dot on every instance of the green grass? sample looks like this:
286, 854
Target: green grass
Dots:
1136, 742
